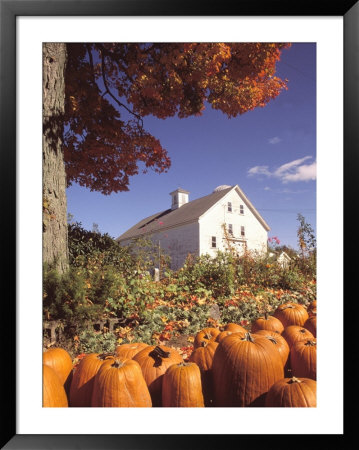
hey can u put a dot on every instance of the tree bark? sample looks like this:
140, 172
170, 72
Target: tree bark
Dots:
55, 243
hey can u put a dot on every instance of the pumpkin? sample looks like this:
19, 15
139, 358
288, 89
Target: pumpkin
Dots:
311, 325
120, 383
182, 386
234, 328
59, 360
291, 314
129, 350
292, 392
279, 341
206, 335
226, 333
244, 368
203, 357
53, 391
303, 359
294, 333
267, 322
83, 378
312, 306
154, 361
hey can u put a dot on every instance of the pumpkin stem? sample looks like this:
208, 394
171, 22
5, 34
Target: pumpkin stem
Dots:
311, 343
294, 380
160, 352
106, 356
272, 339
117, 363
266, 315
248, 337
204, 344
157, 354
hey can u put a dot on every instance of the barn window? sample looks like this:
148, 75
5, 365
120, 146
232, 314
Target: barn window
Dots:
229, 205
214, 242
241, 209
242, 231
230, 228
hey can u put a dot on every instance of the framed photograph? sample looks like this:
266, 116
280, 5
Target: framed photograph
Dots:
325, 35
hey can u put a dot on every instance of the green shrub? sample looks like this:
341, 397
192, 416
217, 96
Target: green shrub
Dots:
209, 276
86, 245
96, 342
65, 298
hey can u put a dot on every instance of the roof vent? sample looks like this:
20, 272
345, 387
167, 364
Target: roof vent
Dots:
222, 187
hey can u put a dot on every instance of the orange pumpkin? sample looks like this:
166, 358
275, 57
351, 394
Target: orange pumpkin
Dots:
291, 314
129, 350
244, 368
203, 357
312, 306
292, 392
206, 335
226, 333
303, 359
267, 322
120, 383
60, 360
84, 377
295, 333
235, 328
53, 391
311, 325
182, 386
154, 361
277, 340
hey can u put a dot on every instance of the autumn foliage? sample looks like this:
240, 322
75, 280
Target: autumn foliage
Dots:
111, 87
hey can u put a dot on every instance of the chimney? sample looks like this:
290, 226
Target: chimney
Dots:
179, 198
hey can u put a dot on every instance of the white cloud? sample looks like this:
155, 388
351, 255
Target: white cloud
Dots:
275, 140
259, 170
288, 167
289, 172
303, 173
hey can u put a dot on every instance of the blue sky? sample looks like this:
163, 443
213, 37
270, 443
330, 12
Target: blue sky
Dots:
269, 152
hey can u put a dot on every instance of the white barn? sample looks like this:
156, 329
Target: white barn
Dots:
197, 226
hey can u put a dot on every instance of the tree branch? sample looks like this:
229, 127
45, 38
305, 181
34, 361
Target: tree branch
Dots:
107, 91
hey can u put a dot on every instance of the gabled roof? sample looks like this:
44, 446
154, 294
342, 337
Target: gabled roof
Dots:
189, 212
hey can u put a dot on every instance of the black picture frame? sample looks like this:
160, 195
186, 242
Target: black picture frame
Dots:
9, 10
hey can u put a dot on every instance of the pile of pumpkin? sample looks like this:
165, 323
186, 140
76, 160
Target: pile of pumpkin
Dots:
273, 364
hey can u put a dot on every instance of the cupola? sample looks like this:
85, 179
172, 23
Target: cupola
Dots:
179, 198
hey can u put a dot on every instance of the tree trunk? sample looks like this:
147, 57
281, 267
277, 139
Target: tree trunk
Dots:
55, 244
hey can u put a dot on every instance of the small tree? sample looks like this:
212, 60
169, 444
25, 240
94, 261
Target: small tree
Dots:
307, 244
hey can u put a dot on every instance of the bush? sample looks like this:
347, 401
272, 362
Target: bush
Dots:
65, 298
85, 246
96, 342
212, 276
